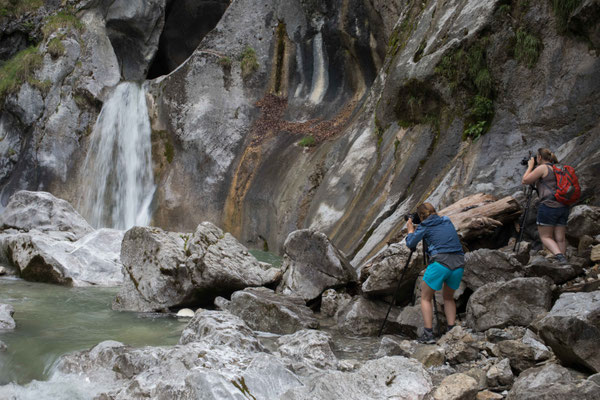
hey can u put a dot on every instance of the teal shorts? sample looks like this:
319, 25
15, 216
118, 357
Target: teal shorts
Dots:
436, 274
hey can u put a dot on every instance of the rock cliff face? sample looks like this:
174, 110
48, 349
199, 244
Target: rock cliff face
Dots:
338, 115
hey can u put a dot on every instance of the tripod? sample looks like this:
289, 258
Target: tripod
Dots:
396, 292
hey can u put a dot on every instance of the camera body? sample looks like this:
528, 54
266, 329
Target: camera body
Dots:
525, 160
414, 216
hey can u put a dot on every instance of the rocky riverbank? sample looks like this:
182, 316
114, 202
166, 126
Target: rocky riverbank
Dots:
528, 327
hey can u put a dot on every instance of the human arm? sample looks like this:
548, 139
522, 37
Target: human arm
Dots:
413, 238
532, 175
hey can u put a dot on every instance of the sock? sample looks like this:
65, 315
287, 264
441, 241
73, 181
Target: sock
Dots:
450, 327
429, 330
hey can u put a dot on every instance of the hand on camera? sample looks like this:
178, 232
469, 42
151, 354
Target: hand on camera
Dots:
531, 163
410, 227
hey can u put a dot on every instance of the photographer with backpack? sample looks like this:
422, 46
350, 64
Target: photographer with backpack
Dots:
557, 188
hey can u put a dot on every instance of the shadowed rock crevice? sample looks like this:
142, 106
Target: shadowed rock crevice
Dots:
186, 24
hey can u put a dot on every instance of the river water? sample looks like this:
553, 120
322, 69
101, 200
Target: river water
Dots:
53, 320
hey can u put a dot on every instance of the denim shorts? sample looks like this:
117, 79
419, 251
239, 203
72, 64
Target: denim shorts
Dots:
436, 274
548, 216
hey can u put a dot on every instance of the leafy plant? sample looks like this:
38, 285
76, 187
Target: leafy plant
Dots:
527, 48
563, 10
307, 141
225, 62
56, 48
479, 119
18, 70
61, 20
474, 131
249, 62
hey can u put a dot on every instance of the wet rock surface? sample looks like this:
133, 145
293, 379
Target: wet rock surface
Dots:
6, 317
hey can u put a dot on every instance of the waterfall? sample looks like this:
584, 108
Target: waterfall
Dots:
118, 184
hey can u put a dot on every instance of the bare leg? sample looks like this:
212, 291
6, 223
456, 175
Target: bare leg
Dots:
559, 238
547, 237
426, 306
449, 304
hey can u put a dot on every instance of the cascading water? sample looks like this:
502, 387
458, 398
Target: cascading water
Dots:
118, 180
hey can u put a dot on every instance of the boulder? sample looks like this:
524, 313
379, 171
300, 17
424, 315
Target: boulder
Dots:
521, 355
312, 264
544, 267
332, 301
488, 395
169, 269
364, 317
195, 370
552, 381
595, 254
456, 387
42, 211
6, 317
488, 266
516, 302
384, 378
500, 375
459, 346
392, 345
429, 355
264, 310
583, 220
380, 275
572, 329
220, 328
91, 260
307, 351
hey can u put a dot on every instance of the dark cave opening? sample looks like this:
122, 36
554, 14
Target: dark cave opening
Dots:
187, 22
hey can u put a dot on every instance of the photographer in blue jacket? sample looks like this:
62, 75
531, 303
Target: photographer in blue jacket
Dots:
446, 263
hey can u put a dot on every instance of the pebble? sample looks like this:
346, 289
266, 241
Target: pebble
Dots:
185, 313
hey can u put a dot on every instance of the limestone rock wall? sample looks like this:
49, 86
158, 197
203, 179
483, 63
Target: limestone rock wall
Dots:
396, 102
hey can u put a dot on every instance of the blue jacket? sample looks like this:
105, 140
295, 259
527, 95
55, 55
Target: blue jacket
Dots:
439, 234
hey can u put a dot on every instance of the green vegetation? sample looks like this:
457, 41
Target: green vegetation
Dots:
225, 62
307, 141
249, 62
61, 20
527, 48
18, 7
468, 68
18, 70
479, 118
418, 102
419, 53
563, 10
466, 72
56, 48
399, 37
169, 151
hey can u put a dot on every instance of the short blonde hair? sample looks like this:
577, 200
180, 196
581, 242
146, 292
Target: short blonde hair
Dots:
425, 210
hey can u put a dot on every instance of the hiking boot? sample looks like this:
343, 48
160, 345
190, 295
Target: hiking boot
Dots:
426, 337
561, 259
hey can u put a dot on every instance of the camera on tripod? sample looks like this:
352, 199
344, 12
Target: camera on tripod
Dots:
525, 160
414, 216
